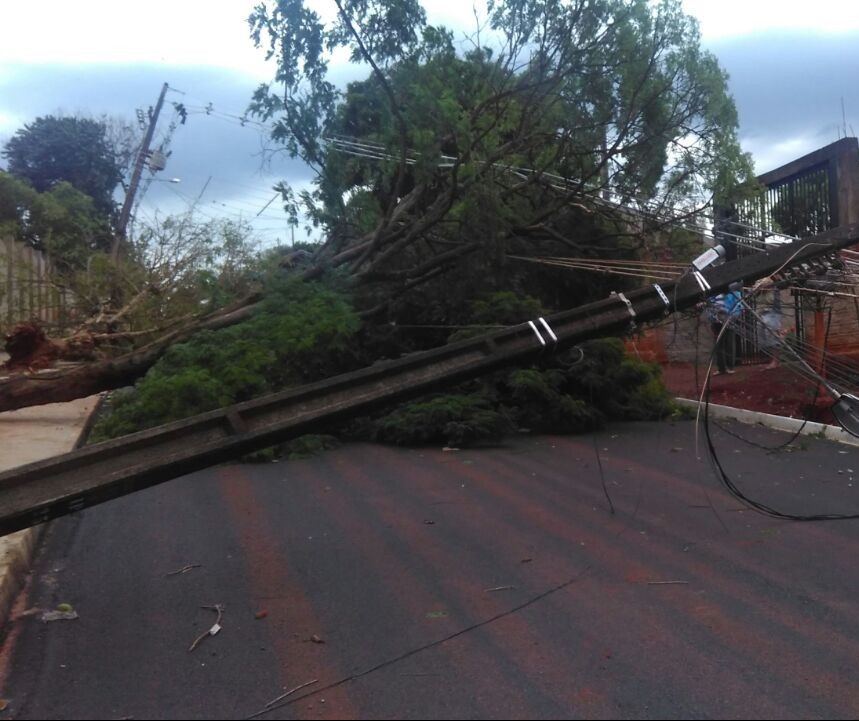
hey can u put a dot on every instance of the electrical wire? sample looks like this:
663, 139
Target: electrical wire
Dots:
798, 432
757, 506
728, 482
377, 152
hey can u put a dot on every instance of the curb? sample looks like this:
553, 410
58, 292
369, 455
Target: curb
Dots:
15, 564
16, 554
779, 423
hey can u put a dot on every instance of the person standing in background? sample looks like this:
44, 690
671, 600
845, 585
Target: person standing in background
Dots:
771, 332
723, 309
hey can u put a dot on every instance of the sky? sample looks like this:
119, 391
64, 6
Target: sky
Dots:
791, 65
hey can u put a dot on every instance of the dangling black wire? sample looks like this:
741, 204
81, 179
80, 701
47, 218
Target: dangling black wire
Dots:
599, 459
805, 421
735, 491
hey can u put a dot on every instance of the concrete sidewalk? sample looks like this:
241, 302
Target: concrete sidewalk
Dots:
29, 435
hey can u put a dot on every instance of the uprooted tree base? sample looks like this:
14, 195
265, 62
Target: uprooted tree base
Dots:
30, 349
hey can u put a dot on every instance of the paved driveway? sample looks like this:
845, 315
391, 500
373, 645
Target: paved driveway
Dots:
471, 584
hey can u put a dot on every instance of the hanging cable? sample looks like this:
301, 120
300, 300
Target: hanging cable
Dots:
751, 503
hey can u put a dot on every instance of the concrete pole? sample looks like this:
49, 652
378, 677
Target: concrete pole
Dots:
125, 214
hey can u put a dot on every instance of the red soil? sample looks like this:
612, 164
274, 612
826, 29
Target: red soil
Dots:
29, 348
753, 387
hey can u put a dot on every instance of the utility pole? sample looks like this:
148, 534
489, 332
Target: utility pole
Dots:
125, 214
54, 487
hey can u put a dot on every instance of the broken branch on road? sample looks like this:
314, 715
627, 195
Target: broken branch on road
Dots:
219, 609
184, 569
290, 692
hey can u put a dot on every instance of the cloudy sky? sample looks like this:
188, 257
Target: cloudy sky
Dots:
791, 64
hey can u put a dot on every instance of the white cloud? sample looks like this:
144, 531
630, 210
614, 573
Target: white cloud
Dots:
728, 18
9, 122
202, 32
769, 155
172, 32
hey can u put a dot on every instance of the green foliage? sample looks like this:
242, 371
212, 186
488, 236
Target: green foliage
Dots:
68, 226
501, 308
303, 332
505, 308
16, 200
309, 445
302, 447
52, 150
61, 220
572, 392
190, 264
453, 419
449, 165
307, 331
551, 84
541, 403
622, 388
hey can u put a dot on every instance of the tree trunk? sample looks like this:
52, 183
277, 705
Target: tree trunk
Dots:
32, 390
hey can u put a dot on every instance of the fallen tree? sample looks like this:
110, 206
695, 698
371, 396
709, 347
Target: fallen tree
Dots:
22, 390
439, 169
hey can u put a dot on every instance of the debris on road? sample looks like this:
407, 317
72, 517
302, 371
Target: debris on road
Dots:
184, 569
499, 588
668, 583
219, 609
290, 692
261, 614
317, 639
49, 616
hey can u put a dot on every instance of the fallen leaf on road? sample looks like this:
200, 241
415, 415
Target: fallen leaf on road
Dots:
3, 704
259, 615
65, 608
437, 614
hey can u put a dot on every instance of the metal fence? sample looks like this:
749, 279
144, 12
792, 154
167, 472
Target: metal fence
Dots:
807, 196
27, 291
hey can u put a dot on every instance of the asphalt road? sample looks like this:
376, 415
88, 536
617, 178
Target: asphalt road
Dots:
490, 583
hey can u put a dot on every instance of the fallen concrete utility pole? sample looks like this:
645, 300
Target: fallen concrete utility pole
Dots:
38, 492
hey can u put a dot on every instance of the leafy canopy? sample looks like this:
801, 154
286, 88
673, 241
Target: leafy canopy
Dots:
61, 220
75, 150
502, 143
303, 332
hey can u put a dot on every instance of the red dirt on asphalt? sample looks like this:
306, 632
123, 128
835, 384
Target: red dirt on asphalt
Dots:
779, 391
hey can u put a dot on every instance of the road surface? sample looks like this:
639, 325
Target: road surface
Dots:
491, 583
